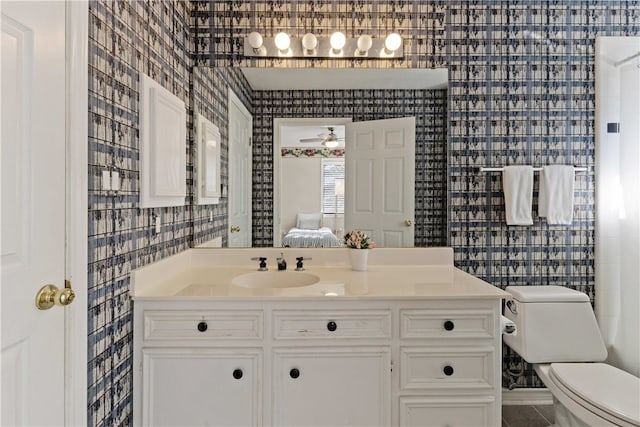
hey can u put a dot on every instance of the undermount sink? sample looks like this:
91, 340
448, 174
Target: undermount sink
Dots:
275, 279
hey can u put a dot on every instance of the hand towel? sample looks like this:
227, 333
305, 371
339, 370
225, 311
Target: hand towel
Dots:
517, 184
555, 198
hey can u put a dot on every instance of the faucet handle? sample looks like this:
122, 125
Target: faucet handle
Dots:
263, 263
299, 265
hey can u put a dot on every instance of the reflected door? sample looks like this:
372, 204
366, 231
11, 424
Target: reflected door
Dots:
33, 211
380, 180
240, 128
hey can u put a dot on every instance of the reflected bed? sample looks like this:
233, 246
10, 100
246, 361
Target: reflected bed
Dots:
306, 238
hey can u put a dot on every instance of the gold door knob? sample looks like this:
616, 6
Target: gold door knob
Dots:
50, 295
235, 228
408, 222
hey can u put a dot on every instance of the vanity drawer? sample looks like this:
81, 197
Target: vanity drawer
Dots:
461, 368
332, 324
203, 325
447, 411
447, 324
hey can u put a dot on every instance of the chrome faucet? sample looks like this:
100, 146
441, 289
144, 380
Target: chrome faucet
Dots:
282, 263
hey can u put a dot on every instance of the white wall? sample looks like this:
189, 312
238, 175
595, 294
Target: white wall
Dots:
300, 188
617, 204
301, 192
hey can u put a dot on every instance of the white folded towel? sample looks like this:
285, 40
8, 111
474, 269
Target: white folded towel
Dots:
517, 184
555, 198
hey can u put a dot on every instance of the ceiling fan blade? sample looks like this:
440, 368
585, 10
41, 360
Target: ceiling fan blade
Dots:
312, 140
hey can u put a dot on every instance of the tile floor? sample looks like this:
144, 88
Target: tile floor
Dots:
527, 416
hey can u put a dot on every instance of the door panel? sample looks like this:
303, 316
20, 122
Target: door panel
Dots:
240, 168
380, 178
33, 210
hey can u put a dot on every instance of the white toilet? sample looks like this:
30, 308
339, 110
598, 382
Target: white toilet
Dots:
556, 331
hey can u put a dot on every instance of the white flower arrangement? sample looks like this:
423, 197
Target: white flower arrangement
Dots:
356, 239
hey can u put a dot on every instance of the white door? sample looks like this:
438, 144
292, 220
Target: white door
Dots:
380, 180
240, 160
33, 210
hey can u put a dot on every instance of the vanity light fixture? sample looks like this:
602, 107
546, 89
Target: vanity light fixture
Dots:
364, 44
255, 40
337, 41
283, 41
310, 45
392, 42
309, 42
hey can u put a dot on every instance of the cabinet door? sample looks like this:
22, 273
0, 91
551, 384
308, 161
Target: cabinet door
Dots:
190, 387
332, 387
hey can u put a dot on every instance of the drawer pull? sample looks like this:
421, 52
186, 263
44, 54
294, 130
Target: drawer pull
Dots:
294, 373
331, 326
448, 325
237, 374
448, 370
202, 326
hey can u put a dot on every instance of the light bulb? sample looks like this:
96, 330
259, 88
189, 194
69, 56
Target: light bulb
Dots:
255, 40
337, 40
393, 42
331, 144
364, 43
282, 41
309, 41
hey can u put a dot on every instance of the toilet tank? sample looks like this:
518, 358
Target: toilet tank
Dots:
553, 324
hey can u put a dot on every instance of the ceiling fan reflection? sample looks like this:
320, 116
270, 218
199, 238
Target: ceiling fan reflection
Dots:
328, 140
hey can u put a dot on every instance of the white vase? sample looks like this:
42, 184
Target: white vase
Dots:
359, 259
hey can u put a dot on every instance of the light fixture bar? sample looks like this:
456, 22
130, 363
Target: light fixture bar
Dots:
323, 49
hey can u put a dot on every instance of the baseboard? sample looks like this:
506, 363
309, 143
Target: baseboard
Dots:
527, 396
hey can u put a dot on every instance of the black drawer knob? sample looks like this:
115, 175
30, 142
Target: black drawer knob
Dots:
448, 325
448, 370
202, 326
332, 326
237, 374
294, 373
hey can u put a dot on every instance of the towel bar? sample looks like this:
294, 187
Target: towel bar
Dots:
483, 169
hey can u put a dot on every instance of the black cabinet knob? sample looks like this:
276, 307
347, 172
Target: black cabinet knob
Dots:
332, 326
294, 373
237, 374
448, 370
448, 325
202, 326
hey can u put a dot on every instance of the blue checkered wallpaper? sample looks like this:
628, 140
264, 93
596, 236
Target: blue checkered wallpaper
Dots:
521, 91
126, 38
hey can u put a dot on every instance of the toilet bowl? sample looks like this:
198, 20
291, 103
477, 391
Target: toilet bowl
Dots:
557, 333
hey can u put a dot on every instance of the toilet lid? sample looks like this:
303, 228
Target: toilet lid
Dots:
602, 386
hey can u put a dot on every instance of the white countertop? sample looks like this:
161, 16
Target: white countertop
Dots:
416, 273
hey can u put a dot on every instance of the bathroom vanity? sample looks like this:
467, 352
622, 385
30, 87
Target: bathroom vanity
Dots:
413, 341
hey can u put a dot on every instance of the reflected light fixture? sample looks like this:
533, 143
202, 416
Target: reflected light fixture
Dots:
331, 143
282, 41
392, 42
337, 41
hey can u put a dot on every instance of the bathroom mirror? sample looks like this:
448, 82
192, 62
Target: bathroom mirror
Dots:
356, 94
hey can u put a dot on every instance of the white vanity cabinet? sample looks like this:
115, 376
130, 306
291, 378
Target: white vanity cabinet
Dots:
317, 361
